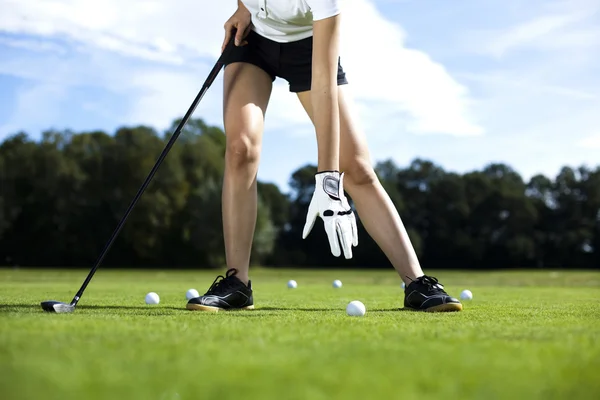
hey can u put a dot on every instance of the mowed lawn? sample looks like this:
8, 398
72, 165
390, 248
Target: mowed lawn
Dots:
525, 335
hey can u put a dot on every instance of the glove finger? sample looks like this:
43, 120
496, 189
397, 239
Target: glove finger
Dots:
330, 229
344, 231
311, 217
354, 230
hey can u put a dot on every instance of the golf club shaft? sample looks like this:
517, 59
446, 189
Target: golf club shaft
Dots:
209, 80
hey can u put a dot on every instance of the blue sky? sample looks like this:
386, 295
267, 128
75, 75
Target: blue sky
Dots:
463, 83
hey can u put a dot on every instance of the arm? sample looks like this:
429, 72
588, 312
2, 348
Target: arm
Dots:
324, 91
328, 201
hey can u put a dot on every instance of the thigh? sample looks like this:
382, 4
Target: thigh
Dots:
353, 143
296, 65
246, 92
259, 51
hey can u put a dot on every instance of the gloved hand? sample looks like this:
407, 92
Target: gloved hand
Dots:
330, 203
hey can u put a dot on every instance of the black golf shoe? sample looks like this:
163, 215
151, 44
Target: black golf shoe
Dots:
426, 294
229, 293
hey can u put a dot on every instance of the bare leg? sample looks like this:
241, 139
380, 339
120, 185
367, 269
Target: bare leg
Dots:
375, 208
247, 90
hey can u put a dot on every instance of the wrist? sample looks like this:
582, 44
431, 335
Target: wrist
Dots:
330, 181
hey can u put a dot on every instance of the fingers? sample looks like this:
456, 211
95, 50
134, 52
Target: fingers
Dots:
239, 36
231, 28
311, 217
354, 230
228, 28
331, 228
345, 233
310, 222
246, 32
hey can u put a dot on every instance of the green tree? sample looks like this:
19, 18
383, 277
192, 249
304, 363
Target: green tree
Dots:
577, 197
449, 243
62, 196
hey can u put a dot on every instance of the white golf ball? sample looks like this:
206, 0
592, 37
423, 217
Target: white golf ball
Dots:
466, 295
337, 283
152, 298
292, 284
403, 285
355, 309
192, 293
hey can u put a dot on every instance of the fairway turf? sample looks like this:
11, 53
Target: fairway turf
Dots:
525, 335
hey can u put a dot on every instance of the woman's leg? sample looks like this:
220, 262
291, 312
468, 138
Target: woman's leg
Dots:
380, 217
375, 208
247, 90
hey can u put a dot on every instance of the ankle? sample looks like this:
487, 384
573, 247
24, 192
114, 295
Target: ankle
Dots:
244, 278
410, 277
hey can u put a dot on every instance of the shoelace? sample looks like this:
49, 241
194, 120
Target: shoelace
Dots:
432, 284
221, 286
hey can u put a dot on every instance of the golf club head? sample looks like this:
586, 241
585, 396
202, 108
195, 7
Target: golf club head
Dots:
57, 306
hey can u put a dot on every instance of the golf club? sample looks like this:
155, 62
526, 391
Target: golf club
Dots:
60, 307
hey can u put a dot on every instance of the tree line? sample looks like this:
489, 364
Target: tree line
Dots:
62, 196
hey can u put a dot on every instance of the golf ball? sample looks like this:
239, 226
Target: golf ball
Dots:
337, 283
466, 295
403, 285
192, 293
292, 284
355, 309
152, 298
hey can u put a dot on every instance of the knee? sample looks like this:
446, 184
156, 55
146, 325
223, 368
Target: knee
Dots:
359, 172
242, 151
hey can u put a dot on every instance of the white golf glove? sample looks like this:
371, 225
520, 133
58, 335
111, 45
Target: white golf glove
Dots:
330, 203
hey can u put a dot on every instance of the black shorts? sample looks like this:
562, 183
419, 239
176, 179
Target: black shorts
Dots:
291, 61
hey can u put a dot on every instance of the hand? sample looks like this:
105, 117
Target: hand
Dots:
330, 203
239, 22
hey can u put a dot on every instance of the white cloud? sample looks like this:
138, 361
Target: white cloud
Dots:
384, 74
32, 100
404, 81
530, 84
39, 45
154, 30
529, 33
562, 25
534, 79
590, 142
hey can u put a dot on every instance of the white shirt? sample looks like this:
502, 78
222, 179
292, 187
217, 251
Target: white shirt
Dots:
289, 20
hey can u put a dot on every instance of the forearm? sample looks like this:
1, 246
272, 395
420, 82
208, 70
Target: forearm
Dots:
325, 112
324, 93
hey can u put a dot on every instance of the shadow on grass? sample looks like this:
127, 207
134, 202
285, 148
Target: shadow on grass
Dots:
113, 307
258, 309
373, 310
8, 307
324, 309
32, 307
5, 308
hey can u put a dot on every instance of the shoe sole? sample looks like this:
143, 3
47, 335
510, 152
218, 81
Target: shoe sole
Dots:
200, 307
448, 307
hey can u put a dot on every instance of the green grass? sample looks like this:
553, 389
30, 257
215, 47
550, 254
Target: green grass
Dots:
525, 335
